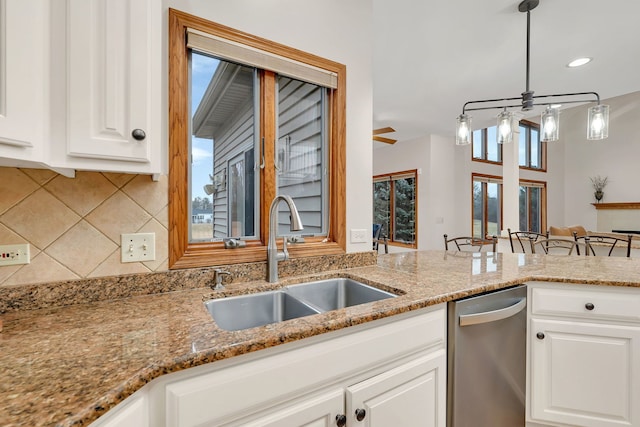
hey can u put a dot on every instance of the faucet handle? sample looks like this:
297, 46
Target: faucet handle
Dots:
217, 278
285, 252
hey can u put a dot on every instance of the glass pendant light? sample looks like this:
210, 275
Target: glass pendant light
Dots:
463, 130
598, 125
550, 125
504, 135
598, 122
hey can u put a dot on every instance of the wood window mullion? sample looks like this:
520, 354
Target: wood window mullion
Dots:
268, 135
392, 210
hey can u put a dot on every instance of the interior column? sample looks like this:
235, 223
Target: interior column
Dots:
511, 183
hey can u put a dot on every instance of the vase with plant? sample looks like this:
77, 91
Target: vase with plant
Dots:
598, 185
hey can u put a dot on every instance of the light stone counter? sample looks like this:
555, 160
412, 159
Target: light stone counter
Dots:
68, 365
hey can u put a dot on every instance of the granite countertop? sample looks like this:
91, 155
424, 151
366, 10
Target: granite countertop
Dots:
66, 366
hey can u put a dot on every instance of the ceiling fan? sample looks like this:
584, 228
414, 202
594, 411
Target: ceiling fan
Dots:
381, 131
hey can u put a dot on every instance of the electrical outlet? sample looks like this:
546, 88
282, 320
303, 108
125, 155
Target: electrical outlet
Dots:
358, 235
14, 254
138, 247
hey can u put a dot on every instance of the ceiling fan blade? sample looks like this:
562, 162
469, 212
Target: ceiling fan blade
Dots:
385, 140
383, 130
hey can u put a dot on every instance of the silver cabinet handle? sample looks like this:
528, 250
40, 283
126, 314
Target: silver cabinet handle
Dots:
494, 315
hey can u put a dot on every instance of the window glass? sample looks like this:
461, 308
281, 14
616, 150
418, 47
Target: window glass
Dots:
535, 149
531, 208
534, 208
404, 210
477, 144
493, 150
523, 209
300, 153
478, 209
493, 209
382, 204
522, 146
223, 129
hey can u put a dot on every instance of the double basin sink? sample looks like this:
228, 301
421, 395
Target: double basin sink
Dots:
248, 311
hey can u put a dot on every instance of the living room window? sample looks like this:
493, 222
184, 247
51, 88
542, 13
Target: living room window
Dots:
251, 119
487, 205
533, 206
395, 206
532, 153
485, 146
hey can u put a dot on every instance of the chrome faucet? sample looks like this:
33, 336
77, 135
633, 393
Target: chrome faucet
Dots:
273, 255
217, 278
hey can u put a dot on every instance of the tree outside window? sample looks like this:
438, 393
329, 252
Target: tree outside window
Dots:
394, 206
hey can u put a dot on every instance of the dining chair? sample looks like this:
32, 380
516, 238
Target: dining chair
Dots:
520, 240
471, 244
606, 244
379, 237
554, 246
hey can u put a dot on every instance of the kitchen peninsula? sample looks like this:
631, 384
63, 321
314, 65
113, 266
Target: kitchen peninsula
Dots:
66, 366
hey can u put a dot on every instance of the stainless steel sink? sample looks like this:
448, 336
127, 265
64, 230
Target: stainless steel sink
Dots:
332, 294
248, 311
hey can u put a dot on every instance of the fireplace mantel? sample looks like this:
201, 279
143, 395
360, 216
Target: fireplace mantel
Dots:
621, 205
617, 216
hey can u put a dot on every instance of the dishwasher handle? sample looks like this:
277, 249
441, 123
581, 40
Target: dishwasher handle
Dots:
494, 315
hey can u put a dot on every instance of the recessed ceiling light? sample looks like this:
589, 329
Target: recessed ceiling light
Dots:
578, 62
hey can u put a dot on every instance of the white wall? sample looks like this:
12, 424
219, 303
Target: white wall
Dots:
338, 30
617, 157
434, 158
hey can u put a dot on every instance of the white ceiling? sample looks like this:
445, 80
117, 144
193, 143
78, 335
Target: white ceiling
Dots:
430, 57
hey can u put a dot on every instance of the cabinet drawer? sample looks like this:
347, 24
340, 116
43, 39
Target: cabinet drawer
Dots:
589, 302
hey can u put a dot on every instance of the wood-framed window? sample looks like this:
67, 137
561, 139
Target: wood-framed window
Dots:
532, 153
270, 160
533, 206
395, 206
485, 147
486, 202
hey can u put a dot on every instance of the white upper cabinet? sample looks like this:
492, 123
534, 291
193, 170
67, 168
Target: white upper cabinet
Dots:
113, 84
80, 85
24, 27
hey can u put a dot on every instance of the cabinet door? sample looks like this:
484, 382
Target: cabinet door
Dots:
113, 80
133, 412
318, 411
584, 374
24, 28
411, 395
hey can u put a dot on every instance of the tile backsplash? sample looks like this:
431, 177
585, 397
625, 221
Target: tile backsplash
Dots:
73, 225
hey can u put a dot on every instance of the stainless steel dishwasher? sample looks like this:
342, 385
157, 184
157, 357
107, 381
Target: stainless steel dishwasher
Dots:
486, 359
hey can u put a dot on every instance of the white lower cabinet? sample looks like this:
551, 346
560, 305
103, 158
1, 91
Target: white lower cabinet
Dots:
408, 395
404, 396
316, 411
134, 412
386, 372
584, 356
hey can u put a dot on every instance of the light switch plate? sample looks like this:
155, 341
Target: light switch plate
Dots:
14, 254
138, 247
358, 235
